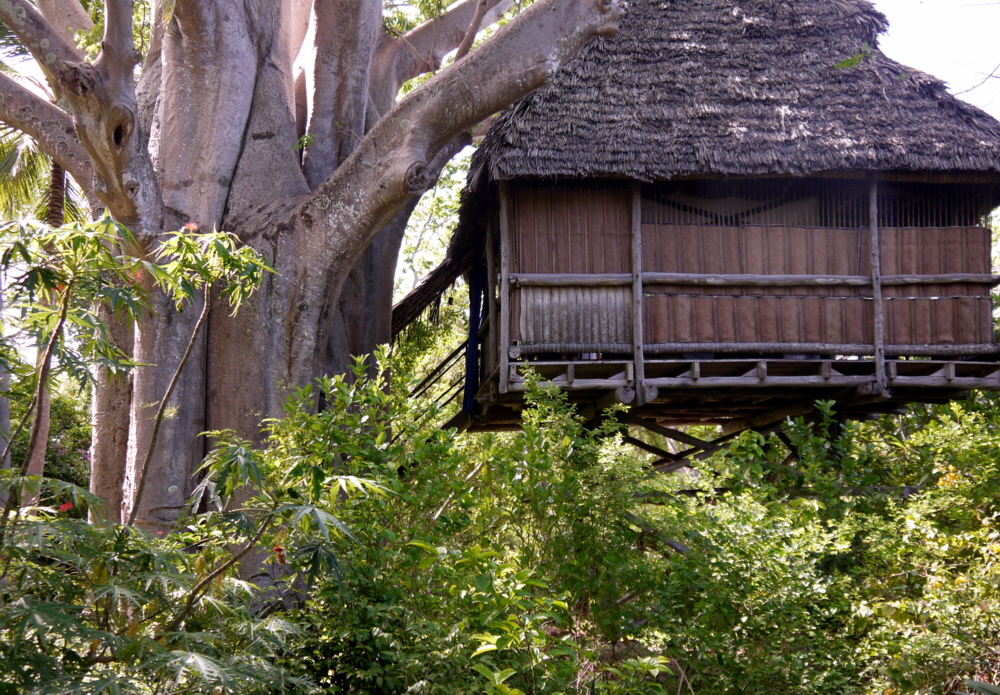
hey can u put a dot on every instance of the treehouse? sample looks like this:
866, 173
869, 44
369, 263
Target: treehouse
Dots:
725, 213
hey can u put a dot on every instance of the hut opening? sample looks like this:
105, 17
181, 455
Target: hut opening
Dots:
678, 223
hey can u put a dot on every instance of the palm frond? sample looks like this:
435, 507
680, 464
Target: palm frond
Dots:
24, 176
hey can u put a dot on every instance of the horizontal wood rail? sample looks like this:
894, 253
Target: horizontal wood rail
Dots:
570, 280
860, 350
714, 280
757, 280
822, 348
949, 279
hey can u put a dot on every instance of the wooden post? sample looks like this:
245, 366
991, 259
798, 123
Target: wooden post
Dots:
491, 297
640, 372
877, 284
504, 287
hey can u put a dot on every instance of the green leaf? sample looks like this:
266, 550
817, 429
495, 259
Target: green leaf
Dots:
485, 648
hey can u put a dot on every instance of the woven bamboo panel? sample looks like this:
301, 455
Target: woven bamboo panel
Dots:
573, 228
572, 315
672, 318
935, 250
758, 250
756, 319
938, 321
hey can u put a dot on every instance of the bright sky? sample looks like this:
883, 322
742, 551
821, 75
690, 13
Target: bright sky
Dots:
957, 41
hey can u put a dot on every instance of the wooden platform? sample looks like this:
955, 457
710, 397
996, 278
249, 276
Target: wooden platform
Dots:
729, 391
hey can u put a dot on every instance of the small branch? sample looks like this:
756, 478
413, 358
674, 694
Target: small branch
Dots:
422, 49
162, 409
476, 471
49, 126
993, 73
200, 587
46, 44
43, 374
470, 35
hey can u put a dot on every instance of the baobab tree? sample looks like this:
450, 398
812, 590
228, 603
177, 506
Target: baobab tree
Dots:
206, 134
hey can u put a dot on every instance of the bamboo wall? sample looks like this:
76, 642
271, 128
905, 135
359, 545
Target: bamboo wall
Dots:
586, 229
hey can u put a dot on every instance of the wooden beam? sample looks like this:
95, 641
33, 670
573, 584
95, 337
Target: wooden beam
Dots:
757, 280
655, 450
877, 282
768, 418
685, 457
504, 286
622, 395
491, 297
637, 355
570, 280
664, 466
747, 280
859, 349
676, 435
947, 279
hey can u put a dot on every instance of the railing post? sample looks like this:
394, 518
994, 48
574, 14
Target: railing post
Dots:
472, 344
877, 283
642, 395
504, 346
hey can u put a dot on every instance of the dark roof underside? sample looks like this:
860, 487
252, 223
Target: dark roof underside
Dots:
738, 88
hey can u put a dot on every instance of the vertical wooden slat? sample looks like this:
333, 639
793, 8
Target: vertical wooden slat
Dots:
504, 287
640, 371
879, 334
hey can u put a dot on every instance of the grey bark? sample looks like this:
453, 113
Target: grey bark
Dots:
110, 414
363, 318
207, 137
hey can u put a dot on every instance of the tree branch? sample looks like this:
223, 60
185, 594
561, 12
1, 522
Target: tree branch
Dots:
44, 41
202, 586
521, 57
400, 59
66, 16
51, 127
390, 165
470, 35
102, 98
119, 42
343, 40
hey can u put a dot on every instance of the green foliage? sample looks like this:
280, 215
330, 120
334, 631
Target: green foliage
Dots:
856, 60
105, 608
93, 609
542, 562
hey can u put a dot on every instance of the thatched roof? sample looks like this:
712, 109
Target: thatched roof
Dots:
739, 88
727, 88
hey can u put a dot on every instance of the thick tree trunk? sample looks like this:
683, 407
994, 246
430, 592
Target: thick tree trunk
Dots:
110, 414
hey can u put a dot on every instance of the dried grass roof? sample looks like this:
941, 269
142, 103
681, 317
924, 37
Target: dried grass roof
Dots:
739, 88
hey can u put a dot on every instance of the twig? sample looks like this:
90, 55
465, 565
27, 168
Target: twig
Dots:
199, 588
163, 407
993, 73
470, 35
451, 497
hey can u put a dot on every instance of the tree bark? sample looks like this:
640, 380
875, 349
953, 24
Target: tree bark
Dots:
110, 413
